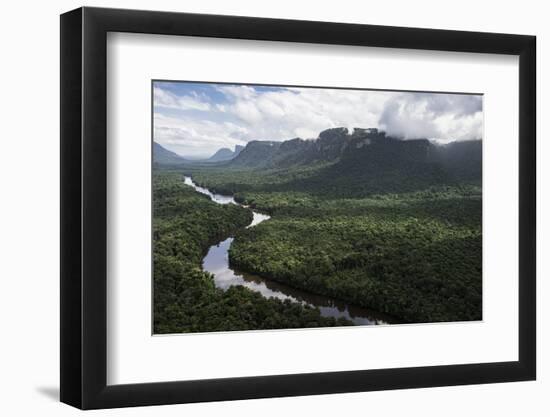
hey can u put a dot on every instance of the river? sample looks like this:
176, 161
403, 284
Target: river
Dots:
216, 262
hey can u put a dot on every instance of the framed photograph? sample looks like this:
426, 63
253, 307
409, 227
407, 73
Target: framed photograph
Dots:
256, 208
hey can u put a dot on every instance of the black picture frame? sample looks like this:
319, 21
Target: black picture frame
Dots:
84, 207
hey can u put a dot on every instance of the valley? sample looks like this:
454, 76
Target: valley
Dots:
365, 220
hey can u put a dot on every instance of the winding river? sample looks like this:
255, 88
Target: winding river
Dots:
216, 262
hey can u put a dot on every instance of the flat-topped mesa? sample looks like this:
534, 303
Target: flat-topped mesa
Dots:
418, 149
259, 143
256, 153
370, 145
332, 142
294, 144
360, 131
333, 133
366, 136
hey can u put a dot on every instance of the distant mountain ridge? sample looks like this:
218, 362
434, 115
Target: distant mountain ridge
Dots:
368, 161
365, 161
328, 147
337, 143
225, 154
163, 156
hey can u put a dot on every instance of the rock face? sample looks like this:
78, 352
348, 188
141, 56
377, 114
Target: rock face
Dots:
256, 153
330, 146
163, 156
369, 157
331, 143
370, 145
366, 154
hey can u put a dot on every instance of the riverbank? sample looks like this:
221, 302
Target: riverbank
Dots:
185, 298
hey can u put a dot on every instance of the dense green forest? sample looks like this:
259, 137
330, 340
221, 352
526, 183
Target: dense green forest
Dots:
185, 224
389, 225
413, 257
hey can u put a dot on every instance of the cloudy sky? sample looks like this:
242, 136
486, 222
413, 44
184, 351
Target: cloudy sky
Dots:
197, 119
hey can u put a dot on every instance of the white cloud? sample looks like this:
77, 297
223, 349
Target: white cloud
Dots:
287, 113
444, 117
249, 113
196, 138
237, 91
166, 99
